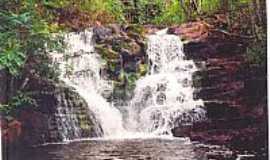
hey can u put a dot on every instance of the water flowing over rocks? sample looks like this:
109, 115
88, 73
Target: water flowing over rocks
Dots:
60, 114
81, 67
156, 102
163, 98
63, 114
233, 92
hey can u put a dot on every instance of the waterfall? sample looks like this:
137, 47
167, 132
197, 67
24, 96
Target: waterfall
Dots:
163, 99
80, 68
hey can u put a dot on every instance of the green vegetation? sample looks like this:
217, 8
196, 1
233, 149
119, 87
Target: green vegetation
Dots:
104, 11
257, 51
25, 35
26, 39
176, 11
172, 14
249, 21
17, 101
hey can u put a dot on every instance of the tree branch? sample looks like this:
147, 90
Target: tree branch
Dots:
233, 34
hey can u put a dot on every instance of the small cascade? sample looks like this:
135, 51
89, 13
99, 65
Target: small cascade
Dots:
66, 120
163, 99
81, 69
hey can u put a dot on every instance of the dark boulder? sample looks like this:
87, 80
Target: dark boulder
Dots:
59, 114
101, 33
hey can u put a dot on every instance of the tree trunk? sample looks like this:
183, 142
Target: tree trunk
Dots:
224, 5
3, 86
183, 6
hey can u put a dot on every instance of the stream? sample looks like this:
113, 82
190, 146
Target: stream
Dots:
124, 149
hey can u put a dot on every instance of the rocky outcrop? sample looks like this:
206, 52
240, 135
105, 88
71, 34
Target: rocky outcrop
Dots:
234, 91
123, 48
58, 114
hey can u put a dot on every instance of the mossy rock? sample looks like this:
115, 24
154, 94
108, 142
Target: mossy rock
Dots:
106, 52
136, 28
117, 45
142, 69
134, 48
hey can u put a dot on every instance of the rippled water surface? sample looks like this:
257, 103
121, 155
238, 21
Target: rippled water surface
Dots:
124, 149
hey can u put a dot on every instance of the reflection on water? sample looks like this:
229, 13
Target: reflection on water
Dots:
122, 149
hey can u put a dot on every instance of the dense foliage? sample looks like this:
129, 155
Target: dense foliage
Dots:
25, 35
176, 11
26, 39
105, 11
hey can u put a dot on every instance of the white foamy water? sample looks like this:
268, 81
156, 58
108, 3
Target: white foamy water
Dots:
80, 68
163, 98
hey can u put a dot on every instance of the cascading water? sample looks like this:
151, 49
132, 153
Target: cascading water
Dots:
163, 99
80, 68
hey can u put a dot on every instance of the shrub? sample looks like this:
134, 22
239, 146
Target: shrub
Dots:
172, 14
16, 102
106, 11
24, 35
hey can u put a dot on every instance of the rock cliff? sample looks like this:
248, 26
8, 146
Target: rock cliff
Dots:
234, 92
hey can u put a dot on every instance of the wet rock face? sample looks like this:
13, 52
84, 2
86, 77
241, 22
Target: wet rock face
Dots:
234, 92
68, 115
227, 84
60, 114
